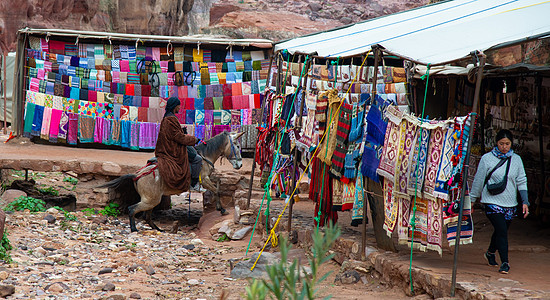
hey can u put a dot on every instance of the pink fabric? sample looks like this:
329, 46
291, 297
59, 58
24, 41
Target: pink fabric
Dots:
54, 125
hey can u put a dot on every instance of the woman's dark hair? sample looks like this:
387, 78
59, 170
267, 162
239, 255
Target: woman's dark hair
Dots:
504, 133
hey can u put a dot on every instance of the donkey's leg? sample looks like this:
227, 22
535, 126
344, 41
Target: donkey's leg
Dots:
148, 215
213, 186
150, 191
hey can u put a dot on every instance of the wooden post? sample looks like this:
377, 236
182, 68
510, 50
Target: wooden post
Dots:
482, 58
261, 116
377, 205
298, 127
538, 83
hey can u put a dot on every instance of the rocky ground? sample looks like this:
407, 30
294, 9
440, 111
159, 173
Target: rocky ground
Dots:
97, 257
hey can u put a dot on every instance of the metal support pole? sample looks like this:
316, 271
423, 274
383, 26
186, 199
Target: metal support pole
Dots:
261, 116
482, 58
364, 224
298, 127
538, 83
4, 89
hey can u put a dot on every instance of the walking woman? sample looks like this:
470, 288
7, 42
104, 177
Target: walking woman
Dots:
500, 175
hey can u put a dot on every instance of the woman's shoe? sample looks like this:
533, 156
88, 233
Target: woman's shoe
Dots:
491, 259
504, 268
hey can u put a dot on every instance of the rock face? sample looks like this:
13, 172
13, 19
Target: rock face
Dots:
159, 17
234, 18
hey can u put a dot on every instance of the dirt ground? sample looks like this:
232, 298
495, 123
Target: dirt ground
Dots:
88, 257
65, 259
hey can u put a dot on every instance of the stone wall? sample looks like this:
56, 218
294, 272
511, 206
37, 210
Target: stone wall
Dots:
158, 17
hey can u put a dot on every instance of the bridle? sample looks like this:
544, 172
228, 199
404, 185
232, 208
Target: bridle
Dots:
233, 151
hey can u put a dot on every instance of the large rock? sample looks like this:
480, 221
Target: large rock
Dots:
242, 268
10, 195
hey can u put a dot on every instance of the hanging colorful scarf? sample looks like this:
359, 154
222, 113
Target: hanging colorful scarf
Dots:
98, 130
86, 126
320, 191
329, 143
342, 132
46, 122
72, 132
54, 126
125, 133
29, 117
357, 210
134, 136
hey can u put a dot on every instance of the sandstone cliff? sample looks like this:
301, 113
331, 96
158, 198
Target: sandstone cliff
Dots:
272, 19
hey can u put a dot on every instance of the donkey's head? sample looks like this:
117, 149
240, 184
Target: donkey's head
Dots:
233, 150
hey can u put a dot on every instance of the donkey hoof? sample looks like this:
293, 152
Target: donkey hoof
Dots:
223, 212
133, 230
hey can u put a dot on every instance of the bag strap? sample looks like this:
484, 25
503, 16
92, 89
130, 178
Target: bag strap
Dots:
500, 163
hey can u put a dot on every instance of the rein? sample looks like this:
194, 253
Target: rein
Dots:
152, 170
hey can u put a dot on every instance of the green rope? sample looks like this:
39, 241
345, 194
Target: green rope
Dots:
413, 222
275, 158
335, 69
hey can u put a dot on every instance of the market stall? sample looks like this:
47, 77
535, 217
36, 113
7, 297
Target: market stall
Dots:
420, 162
108, 88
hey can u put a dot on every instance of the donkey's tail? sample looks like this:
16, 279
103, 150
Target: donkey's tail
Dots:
122, 191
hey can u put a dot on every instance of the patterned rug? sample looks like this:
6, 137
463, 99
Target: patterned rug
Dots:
445, 164
406, 144
404, 216
433, 160
418, 163
435, 225
390, 207
420, 240
388, 160
467, 229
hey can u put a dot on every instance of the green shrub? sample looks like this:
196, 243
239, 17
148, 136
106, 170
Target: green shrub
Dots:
5, 248
89, 211
70, 180
284, 280
68, 216
49, 191
22, 202
111, 210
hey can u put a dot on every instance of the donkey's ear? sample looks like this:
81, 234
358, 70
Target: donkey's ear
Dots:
238, 135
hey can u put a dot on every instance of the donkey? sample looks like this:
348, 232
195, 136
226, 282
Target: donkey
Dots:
146, 187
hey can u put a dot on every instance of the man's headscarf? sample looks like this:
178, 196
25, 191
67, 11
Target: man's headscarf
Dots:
172, 103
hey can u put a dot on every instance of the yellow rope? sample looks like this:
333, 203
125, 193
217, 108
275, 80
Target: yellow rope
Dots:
272, 236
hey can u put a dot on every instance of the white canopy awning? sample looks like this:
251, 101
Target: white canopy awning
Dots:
436, 33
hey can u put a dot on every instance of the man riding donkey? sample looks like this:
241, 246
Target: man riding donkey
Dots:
178, 161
